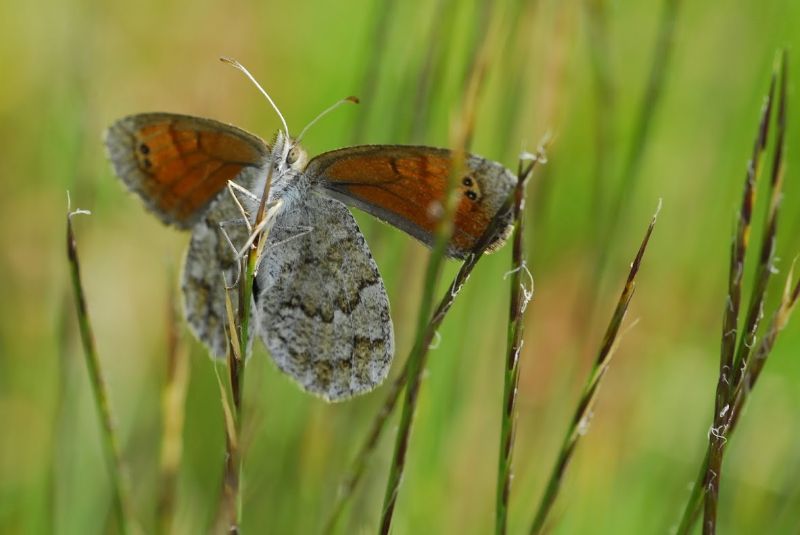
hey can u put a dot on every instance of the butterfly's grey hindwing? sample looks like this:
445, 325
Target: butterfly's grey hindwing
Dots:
210, 263
323, 312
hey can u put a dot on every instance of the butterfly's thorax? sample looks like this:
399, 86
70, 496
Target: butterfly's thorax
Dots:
286, 171
290, 187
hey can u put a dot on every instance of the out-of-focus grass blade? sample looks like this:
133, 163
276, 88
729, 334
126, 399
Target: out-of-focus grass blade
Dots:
173, 402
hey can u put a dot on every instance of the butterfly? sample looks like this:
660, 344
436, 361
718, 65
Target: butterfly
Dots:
319, 302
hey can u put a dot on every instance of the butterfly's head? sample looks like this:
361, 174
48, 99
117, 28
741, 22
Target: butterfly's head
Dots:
288, 154
287, 151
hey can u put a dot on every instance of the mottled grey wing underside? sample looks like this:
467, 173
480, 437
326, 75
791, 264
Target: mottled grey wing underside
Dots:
209, 257
323, 312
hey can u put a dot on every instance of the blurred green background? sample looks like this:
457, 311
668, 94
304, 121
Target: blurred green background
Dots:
577, 68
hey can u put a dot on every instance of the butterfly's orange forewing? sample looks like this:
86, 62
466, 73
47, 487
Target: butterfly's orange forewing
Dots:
178, 164
405, 186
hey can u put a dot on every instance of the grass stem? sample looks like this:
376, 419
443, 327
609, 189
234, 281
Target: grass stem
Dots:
580, 420
239, 338
520, 295
462, 134
116, 472
173, 412
742, 356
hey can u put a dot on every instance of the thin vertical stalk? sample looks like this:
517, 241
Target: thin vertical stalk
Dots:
604, 148
725, 383
580, 420
356, 471
417, 358
430, 70
173, 399
641, 131
659, 67
119, 491
444, 230
376, 45
742, 356
237, 356
520, 295
599, 55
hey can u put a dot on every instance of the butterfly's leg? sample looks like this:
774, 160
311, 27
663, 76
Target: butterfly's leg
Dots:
264, 226
242, 189
272, 208
222, 228
252, 234
303, 230
233, 187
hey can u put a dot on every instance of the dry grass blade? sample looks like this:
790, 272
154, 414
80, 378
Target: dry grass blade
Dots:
228, 516
172, 405
116, 472
580, 420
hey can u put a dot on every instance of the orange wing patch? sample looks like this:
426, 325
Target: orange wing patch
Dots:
179, 164
405, 186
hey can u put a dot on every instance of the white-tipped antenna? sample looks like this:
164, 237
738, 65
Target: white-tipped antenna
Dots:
353, 100
236, 64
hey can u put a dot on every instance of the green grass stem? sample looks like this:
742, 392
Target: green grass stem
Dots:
116, 472
580, 420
